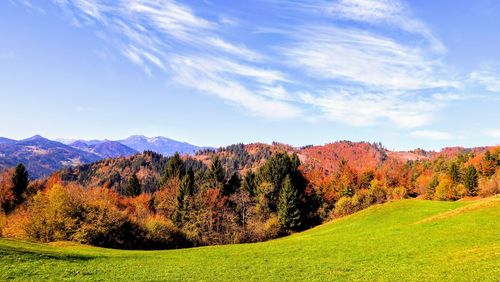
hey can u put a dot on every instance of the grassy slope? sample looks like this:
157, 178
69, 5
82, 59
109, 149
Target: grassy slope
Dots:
404, 240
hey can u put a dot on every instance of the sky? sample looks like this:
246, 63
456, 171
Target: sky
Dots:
409, 74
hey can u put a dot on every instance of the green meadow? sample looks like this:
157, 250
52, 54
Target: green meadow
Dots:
403, 240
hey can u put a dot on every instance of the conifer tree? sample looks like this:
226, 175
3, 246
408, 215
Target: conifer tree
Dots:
454, 172
249, 182
133, 188
471, 180
217, 171
288, 210
186, 189
20, 182
174, 168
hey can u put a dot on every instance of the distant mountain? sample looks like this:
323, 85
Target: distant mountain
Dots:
6, 140
42, 156
162, 145
104, 149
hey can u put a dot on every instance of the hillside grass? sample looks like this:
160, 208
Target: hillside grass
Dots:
402, 240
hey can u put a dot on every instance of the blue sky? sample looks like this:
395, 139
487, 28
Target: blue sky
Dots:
406, 73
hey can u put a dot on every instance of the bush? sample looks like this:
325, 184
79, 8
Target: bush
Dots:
362, 199
272, 228
343, 207
161, 233
399, 193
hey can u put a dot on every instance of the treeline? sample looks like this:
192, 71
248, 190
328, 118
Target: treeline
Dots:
194, 206
467, 174
189, 203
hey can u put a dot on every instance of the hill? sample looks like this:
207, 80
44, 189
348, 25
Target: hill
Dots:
42, 156
402, 240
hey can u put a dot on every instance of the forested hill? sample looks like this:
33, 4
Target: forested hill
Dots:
319, 163
240, 193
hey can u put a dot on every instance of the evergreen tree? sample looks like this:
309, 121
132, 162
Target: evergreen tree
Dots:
217, 171
133, 188
454, 172
186, 189
288, 206
471, 180
249, 182
175, 168
20, 182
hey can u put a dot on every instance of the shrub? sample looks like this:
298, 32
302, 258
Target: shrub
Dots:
399, 193
343, 207
161, 233
272, 228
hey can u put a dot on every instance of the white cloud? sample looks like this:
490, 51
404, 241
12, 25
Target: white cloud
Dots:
488, 77
206, 76
377, 79
361, 57
390, 12
358, 108
432, 135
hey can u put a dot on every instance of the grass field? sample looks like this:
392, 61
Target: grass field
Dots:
403, 240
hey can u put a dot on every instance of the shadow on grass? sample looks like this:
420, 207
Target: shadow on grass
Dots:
40, 254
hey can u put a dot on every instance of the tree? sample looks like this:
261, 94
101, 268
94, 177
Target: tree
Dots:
249, 183
20, 182
488, 164
133, 188
471, 180
174, 168
454, 172
217, 171
288, 210
186, 189
274, 172
431, 188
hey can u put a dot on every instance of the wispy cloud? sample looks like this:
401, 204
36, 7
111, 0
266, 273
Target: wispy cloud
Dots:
359, 108
329, 67
487, 77
358, 56
393, 13
432, 135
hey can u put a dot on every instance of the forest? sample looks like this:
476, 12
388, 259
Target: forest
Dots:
241, 193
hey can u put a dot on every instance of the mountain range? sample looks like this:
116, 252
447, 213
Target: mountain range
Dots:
42, 156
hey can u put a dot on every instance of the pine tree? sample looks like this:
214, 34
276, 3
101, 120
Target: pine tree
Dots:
249, 182
454, 172
20, 182
471, 180
217, 171
133, 188
288, 210
186, 189
174, 168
